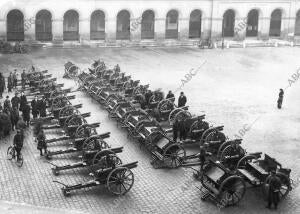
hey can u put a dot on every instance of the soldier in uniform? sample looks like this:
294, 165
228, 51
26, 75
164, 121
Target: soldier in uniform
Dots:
15, 79
23, 101
280, 98
175, 130
26, 114
15, 101
23, 79
10, 82
182, 130
34, 107
41, 142
274, 188
42, 106
21, 125
14, 117
7, 105
18, 143
2, 84
171, 96
182, 100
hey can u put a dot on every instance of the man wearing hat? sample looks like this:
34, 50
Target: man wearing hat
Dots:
182, 100
274, 188
7, 105
171, 96
34, 107
23, 101
15, 101
18, 143
15, 79
10, 82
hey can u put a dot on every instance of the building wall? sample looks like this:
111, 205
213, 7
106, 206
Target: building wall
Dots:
212, 15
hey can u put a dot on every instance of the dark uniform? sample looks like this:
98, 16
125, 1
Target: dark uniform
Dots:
182, 100
26, 114
34, 108
171, 96
23, 79
2, 84
7, 105
175, 130
280, 99
274, 188
41, 142
15, 80
10, 82
23, 102
18, 143
15, 101
14, 117
182, 130
42, 106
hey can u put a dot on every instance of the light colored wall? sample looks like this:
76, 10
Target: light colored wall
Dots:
212, 14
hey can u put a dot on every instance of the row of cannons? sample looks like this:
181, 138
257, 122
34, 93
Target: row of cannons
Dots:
91, 148
230, 168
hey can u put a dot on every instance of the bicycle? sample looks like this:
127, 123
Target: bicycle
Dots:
11, 154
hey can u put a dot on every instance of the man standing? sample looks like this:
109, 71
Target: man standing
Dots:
23, 101
15, 79
2, 84
41, 142
181, 100
14, 117
26, 114
182, 130
10, 82
175, 130
7, 105
15, 101
18, 143
274, 188
34, 107
170, 96
23, 79
42, 106
280, 98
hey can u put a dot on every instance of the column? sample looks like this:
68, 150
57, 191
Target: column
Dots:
183, 29
3, 29
57, 29
84, 29
110, 29
160, 29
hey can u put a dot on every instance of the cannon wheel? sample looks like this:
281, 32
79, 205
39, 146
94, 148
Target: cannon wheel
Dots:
67, 111
173, 113
244, 160
222, 147
285, 185
232, 190
81, 131
105, 159
195, 125
174, 155
59, 102
230, 151
93, 143
75, 120
183, 115
212, 135
120, 180
165, 106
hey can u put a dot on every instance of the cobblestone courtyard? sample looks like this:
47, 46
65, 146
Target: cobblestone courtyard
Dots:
234, 88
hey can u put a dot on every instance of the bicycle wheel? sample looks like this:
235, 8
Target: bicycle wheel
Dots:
10, 153
20, 161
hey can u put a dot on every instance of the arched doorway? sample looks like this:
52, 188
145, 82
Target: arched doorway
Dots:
147, 27
252, 23
195, 24
97, 25
297, 24
172, 25
228, 23
15, 26
123, 25
43, 26
275, 23
71, 26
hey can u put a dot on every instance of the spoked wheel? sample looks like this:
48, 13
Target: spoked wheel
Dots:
173, 113
244, 160
85, 130
20, 161
94, 143
182, 115
174, 155
105, 159
198, 125
222, 147
232, 190
284, 188
59, 102
165, 106
231, 155
216, 138
120, 181
10, 153
67, 111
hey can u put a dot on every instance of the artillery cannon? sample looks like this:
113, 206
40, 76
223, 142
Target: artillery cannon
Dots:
71, 70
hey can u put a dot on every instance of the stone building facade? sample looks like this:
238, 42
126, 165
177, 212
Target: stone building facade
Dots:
139, 21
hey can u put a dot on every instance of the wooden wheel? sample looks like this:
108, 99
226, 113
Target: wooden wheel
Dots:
197, 125
76, 120
165, 106
182, 115
59, 102
221, 148
120, 181
85, 130
174, 155
231, 154
284, 188
172, 115
105, 159
232, 190
244, 160
94, 143
67, 111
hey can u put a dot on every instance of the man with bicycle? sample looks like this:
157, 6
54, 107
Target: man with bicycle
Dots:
18, 143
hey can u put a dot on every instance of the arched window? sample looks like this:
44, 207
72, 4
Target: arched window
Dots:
123, 25
195, 24
297, 24
228, 23
252, 23
15, 26
71, 25
172, 25
275, 23
97, 25
43, 26
147, 27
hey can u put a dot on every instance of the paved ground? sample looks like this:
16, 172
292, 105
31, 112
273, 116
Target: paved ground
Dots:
233, 88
